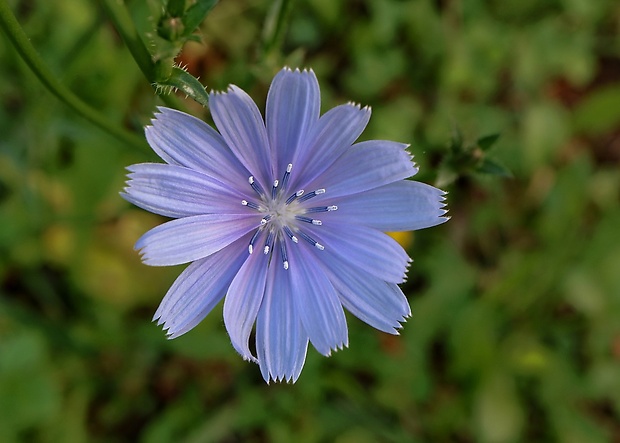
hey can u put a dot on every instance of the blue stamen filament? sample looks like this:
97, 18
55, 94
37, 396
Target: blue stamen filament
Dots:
256, 186
281, 217
253, 239
293, 197
284, 255
309, 195
269, 242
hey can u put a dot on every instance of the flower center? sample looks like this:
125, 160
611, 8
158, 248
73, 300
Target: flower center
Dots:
284, 216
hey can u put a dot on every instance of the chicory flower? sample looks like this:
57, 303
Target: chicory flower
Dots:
283, 218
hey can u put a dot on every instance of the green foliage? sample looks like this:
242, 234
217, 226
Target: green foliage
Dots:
515, 331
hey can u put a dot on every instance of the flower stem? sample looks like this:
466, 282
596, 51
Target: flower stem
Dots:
274, 26
29, 54
123, 23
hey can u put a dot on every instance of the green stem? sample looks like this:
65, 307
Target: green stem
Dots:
21, 42
123, 23
274, 25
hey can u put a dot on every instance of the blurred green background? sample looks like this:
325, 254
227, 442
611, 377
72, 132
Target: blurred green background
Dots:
515, 333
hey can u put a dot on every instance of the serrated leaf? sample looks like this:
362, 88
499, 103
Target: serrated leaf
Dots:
485, 143
195, 14
188, 84
492, 167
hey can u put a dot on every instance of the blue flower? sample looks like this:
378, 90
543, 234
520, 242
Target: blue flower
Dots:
283, 218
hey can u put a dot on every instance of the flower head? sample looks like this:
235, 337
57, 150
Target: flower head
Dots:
283, 218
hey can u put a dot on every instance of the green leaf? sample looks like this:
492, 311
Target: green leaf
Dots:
195, 14
485, 143
188, 84
176, 8
492, 167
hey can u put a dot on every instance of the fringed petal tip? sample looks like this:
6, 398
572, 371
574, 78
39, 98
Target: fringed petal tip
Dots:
244, 351
250, 359
280, 378
335, 348
298, 71
166, 326
366, 108
162, 112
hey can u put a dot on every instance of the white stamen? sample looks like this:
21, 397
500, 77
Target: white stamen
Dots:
276, 183
295, 239
266, 250
285, 264
250, 249
294, 196
289, 168
319, 246
250, 204
317, 222
257, 188
332, 208
309, 195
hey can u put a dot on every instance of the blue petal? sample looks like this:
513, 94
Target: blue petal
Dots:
370, 250
243, 300
380, 304
365, 166
199, 288
401, 206
191, 238
281, 341
316, 300
293, 107
176, 191
329, 138
180, 139
242, 126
